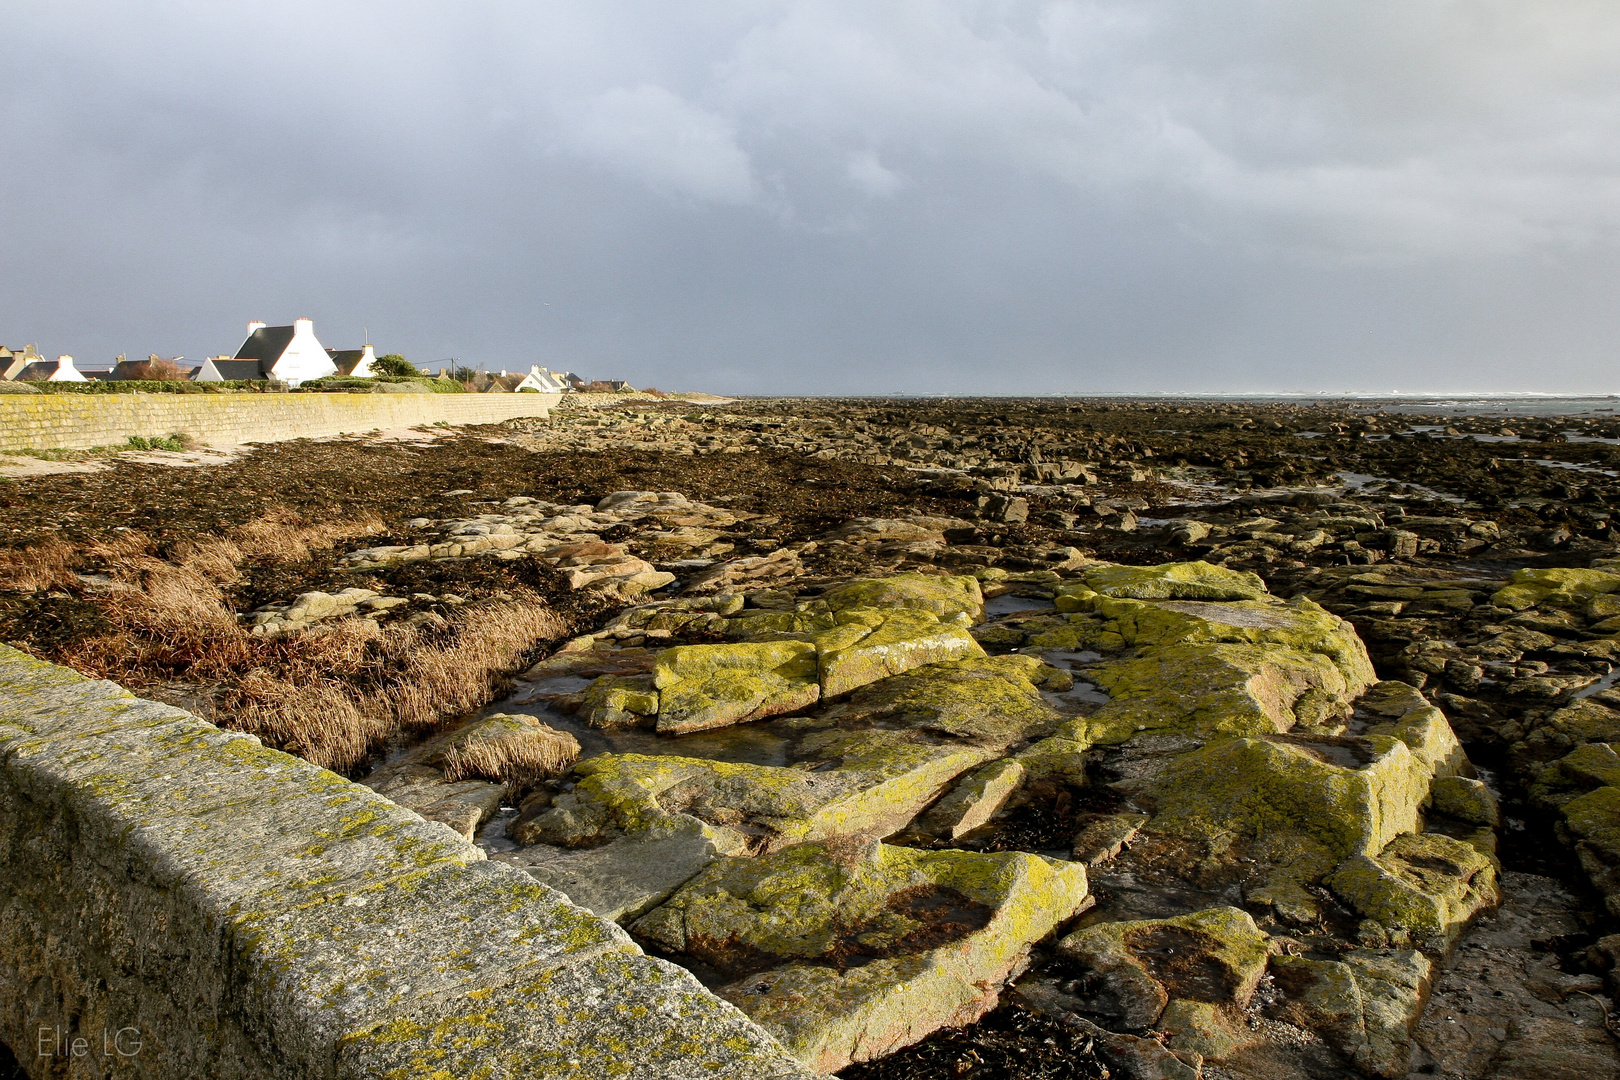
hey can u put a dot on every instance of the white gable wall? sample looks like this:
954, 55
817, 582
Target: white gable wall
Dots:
304, 358
362, 370
65, 371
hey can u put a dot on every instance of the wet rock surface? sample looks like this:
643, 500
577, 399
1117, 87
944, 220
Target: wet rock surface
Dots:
1298, 717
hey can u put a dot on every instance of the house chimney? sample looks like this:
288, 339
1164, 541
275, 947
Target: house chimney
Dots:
252, 326
303, 326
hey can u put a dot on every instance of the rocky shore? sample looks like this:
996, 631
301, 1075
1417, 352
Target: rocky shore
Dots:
990, 738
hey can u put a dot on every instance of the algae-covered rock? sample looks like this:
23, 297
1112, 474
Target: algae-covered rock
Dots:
884, 779
1212, 958
871, 645
628, 877
974, 800
1352, 796
1593, 821
619, 701
1427, 884
1176, 581
1567, 588
1322, 996
1466, 800
1208, 690
1394, 987
1581, 721
1428, 735
849, 950
708, 686
987, 699
1103, 839
944, 596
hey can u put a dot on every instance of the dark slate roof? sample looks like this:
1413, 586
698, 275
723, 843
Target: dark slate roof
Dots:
231, 370
266, 344
346, 359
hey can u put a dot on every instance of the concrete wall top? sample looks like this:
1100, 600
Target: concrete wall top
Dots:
234, 911
81, 421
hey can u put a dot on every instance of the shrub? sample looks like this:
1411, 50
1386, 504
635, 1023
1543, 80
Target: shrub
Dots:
172, 442
395, 364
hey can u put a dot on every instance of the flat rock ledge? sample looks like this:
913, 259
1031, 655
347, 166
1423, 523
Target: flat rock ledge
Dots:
202, 906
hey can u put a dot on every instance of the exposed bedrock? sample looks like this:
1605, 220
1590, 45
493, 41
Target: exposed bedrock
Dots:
1266, 826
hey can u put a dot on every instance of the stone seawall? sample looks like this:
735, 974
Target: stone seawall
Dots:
177, 901
80, 421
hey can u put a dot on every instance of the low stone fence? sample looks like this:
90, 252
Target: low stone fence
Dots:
80, 421
178, 901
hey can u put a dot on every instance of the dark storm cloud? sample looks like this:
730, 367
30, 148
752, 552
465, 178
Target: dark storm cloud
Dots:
831, 197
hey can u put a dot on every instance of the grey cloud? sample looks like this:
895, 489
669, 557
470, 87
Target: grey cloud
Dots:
832, 197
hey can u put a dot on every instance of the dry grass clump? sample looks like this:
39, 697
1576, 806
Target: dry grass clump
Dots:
342, 693
331, 695
46, 565
515, 750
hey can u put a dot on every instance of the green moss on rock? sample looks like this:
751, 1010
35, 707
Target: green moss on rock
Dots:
1567, 588
1212, 958
1281, 786
871, 645
847, 951
708, 686
943, 596
1176, 581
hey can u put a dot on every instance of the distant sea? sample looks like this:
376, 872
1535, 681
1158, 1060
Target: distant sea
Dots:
1433, 405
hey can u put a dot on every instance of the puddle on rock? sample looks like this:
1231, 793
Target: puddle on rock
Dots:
1008, 604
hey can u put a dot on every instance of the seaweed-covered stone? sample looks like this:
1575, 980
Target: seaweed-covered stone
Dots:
1322, 996
871, 645
849, 950
1427, 884
1176, 581
1560, 587
944, 596
1581, 721
1212, 958
708, 686
461, 778
1105, 837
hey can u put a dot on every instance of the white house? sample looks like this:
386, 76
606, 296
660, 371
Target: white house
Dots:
43, 371
13, 362
289, 353
542, 381
354, 362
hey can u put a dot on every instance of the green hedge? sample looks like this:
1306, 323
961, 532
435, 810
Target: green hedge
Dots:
350, 384
144, 386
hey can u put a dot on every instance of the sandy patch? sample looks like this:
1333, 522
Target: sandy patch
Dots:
187, 459
20, 468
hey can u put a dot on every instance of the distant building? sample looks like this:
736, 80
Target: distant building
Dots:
355, 363
45, 371
291, 354
153, 367
13, 361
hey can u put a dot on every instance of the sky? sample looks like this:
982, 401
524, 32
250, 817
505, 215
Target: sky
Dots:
778, 197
